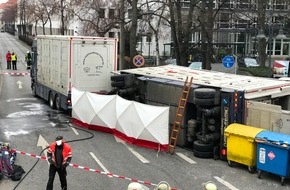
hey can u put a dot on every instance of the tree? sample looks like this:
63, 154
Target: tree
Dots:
9, 13
152, 21
93, 17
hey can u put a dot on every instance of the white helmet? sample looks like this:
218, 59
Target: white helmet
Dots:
135, 186
209, 186
27, 51
163, 185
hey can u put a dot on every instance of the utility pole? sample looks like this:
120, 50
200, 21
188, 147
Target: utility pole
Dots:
122, 36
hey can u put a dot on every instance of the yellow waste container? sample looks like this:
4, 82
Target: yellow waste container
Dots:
241, 146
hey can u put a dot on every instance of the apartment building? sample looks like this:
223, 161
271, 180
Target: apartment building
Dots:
237, 25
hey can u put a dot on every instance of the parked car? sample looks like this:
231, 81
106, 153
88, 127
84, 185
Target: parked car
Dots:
195, 65
170, 61
247, 62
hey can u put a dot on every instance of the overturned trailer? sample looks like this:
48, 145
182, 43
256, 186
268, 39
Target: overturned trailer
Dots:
216, 100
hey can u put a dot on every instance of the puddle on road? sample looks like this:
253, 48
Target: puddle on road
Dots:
21, 99
15, 133
25, 114
57, 119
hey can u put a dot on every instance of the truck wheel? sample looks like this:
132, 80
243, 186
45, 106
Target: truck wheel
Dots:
202, 154
51, 101
203, 102
117, 77
118, 84
204, 93
57, 102
202, 147
211, 121
33, 90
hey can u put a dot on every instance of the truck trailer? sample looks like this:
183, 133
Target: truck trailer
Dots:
62, 62
216, 100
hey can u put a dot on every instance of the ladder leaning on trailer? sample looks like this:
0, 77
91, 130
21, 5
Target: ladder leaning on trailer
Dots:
179, 115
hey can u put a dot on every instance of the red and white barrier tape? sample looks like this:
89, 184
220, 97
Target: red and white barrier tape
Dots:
93, 170
15, 73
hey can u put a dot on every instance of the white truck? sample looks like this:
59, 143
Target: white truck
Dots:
215, 101
63, 62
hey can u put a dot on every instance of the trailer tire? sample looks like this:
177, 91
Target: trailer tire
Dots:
51, 101
57, 102
33, 86
203, 102
202, 147
118, 84
204, 93
118, 78
211, 121
200, 154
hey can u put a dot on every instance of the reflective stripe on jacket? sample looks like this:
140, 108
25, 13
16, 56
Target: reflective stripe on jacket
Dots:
66, 151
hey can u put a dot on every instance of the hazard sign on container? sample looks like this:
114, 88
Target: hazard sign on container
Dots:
138, 61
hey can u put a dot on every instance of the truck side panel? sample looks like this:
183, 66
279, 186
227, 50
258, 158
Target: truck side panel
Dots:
268, 116
91, 65
64, 62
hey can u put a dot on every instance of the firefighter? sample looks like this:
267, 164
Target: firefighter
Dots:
135, 186
209, 186
163, 185
28, 59
59, 156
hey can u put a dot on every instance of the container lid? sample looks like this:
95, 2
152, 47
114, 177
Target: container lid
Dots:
274, 137
243, 130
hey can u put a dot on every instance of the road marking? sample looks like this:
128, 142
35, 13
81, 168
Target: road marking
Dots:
225, 183
139, 156
19, 84
43, 143
99, 163
75, 131
185, 158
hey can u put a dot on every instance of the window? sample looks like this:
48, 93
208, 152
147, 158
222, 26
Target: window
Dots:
102, 13
129, 13
224, 17
286, 49
148, 38
244, 4
112, 13
241, 23
277, 47
111, 34
279, 5
227, 4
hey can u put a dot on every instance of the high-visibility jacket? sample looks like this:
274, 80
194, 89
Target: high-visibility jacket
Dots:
13, 57
66, 152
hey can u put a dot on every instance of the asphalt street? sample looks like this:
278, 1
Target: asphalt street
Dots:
29, 124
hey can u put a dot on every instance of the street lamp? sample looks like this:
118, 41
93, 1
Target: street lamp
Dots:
280, 36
